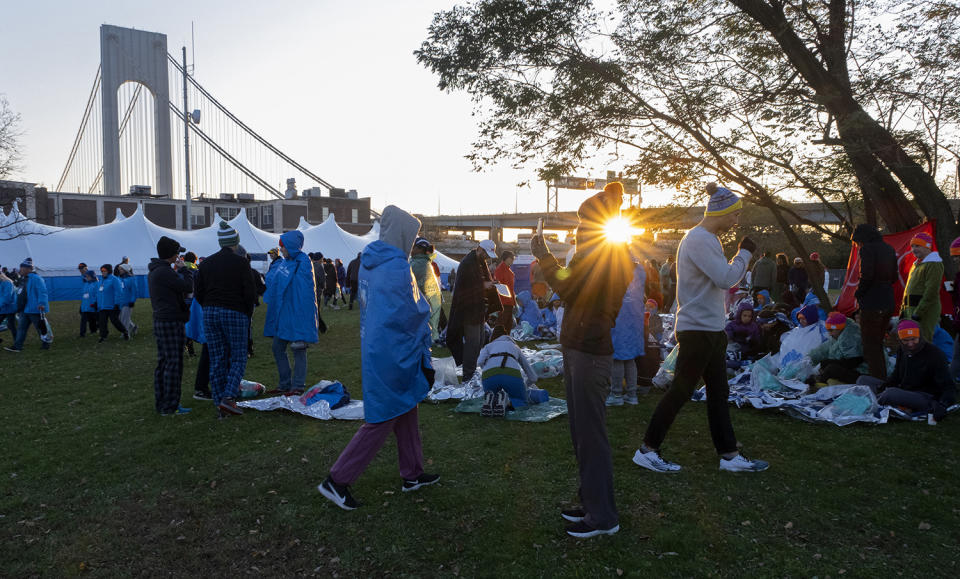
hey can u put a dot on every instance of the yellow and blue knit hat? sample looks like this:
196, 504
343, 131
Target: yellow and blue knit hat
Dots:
722, 201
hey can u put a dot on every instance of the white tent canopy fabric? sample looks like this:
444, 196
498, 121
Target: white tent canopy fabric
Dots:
56, 251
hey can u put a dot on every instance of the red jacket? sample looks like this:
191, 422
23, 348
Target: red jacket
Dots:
504, 275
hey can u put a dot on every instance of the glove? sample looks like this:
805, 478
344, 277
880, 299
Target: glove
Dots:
748, 244
538, 247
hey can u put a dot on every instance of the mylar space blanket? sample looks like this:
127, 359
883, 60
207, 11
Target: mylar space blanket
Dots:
531, 413
547, 363
319, 409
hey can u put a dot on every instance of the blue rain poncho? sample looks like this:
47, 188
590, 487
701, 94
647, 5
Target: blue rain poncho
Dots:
111, 293
194, 327
394, 322
628, 334
129, 285
529, 311
89, 295
8, 297
291, 295
36, 295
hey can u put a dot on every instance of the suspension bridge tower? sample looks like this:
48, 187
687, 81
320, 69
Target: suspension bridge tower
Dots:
128, 55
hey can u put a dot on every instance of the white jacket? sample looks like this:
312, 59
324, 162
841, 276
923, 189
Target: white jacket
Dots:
504, 353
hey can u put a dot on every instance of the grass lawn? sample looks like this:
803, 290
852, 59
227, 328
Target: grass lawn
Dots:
93, 482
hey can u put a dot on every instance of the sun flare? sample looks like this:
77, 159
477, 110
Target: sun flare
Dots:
618, 230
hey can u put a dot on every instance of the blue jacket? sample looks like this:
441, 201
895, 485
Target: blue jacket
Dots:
129, 284
8, 298
628, 334
194, 326
89, 294
394, 334
529, 311
36, 295
549, 318
291, 295
111, 293
943, 341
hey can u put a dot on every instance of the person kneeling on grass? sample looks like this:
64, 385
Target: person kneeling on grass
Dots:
921, 379
500, 362
395, 365
841, 356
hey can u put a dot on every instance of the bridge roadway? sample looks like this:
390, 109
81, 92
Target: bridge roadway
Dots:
651, 219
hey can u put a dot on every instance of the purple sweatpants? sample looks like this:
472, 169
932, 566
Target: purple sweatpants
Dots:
370, 438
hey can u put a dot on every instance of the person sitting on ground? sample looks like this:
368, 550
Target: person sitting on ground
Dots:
628, 342
500, 362
810, 299
550, 321
761, 300
773, 325
654, 323
529, 311
920, 380
808, 316
841, 356
744, 332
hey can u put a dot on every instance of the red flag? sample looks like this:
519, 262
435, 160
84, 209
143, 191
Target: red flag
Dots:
900, 242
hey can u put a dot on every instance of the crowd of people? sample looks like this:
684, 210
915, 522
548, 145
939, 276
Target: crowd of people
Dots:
604, 306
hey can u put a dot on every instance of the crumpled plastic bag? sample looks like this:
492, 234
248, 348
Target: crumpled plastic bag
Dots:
798, 342
842, 404
472, 388
798, 369
522, 333
664, 376
445, 371
547, 363
250, 389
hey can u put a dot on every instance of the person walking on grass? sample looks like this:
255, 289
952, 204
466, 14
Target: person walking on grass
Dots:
8, 303
108, 303
169, 285
31, 303
88, 304
592, 286
224, 288
129, 285
395, 365
291, 313
474, 299
703, 276
353, 278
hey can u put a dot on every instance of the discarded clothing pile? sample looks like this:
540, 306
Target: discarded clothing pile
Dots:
531, 413
324, 400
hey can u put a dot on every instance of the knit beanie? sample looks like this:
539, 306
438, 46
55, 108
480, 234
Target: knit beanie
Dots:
27, 263
922, 239
167, 248
809, 313
955, 247
227, 236
908, 329
722, 201
836, 321
653, 302
814, 256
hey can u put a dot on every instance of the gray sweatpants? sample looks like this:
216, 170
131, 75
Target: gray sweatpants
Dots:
624, 370
587, 378
916, 401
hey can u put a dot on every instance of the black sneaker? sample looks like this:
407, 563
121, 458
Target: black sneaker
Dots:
126, 336
12, 349
338, 494
229, 406
197, 395
573, 515
421, 481
581, 530
487, 408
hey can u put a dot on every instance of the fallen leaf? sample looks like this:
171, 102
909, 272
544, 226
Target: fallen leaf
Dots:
924, 526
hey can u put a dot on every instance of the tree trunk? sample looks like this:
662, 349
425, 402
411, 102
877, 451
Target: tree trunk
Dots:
881, 193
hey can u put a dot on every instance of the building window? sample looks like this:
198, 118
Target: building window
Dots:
266, 217
355, 214
228, 213
326, 212
198, 216
252, 215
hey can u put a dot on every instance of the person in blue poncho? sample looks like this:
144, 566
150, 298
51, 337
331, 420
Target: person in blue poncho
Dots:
33, 298
88, 303
628, 338
129, 285
291, 312
108, 303
394, 361
529, 311
8, 303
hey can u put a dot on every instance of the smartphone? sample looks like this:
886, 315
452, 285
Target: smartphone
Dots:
540, 226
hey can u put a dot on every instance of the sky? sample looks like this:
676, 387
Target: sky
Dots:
333, 84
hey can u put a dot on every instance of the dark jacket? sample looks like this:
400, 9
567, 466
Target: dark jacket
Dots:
471, 303
168, 290
225, 281
319, 278
925, 370
353, 273
797, 277
592, 286
878, 269
329, 279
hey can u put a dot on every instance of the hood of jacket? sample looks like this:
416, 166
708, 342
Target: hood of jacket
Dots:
811, 313
932, 257
524, 297
744, 306
155, 263
766, 295
811, 300
866, 233
399, 229
293, 242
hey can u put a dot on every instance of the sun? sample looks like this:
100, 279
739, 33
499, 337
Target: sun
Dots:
618, 230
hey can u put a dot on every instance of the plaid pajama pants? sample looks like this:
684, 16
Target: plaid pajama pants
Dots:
166, 378
226, 332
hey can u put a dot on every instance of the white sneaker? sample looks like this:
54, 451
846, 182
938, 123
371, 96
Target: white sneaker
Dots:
653, 461
614, 400
631, 400
741, 463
